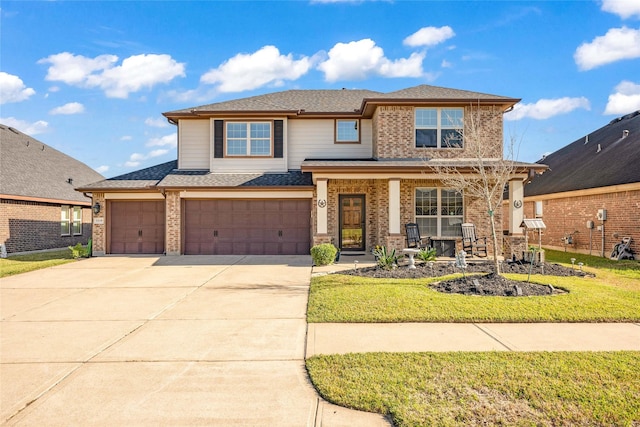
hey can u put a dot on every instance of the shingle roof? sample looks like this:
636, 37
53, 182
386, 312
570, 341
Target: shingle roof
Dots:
335, 101
166, 175
30, 168
604, 159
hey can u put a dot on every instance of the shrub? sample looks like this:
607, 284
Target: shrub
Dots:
427, 255
386, 260
323, 254
80, 251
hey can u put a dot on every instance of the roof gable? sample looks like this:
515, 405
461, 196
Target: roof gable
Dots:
30, 168
602, 158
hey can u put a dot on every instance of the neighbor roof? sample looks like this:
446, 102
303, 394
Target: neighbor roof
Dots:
602, 158
32, 170
342, 101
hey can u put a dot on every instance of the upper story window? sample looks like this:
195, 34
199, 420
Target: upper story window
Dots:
347, 131
439, 127
248, 139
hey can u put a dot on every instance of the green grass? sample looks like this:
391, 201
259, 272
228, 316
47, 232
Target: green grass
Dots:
612, 296
22, 263
486, 389
591, 261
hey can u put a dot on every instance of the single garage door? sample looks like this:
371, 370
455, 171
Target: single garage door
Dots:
247, 227
136, 227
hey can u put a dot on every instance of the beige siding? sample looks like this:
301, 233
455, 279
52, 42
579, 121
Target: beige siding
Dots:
315, 139
250, 164
194, 144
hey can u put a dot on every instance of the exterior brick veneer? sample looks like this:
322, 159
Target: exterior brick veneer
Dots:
99, 230
173, 208
569, 215
377, 212
30, 225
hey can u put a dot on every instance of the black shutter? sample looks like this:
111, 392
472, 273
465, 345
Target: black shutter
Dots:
278, 139
218, 139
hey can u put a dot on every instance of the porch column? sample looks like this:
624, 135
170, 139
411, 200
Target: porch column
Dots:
516, 206
394, 206
321, 206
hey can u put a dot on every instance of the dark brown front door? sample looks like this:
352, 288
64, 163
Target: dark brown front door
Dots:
247, 227
136, 227
352, 230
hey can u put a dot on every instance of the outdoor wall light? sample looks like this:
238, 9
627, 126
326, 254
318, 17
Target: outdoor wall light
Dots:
96, 208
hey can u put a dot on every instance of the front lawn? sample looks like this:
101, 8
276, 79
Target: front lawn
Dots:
17, 264
480, 389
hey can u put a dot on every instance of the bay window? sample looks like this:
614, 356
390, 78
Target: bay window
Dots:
438, 211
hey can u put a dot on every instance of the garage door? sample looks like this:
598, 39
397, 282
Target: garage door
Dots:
251, 227
136, 227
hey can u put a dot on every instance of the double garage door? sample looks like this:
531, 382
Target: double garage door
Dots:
252, 227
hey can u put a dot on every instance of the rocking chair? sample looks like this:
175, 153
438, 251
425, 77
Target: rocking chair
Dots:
414, 241
470, 243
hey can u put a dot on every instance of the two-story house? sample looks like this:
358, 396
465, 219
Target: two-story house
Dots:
281, 172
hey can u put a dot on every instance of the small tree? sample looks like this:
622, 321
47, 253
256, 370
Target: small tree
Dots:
488, 165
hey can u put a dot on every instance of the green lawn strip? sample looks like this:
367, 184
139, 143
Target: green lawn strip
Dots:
23, 263
495, 388
342, 298
590, 260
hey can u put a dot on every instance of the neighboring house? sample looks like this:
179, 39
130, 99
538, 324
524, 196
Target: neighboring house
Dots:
278, 173
39, 207
599, 172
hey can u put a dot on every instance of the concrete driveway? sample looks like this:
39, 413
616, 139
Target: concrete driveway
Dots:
140, 341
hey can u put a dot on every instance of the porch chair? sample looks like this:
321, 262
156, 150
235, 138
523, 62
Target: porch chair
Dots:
414, 241
472, 244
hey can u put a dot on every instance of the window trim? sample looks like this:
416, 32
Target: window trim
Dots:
439, 217
439, 128
335, 131
248, 124
67, 220
75, 221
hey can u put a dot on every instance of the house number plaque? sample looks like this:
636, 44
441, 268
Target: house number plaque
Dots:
322, 203
517, 204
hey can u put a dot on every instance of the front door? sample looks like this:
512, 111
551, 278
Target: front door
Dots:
352, 231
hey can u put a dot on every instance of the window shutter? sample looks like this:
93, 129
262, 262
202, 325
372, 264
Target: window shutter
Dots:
278, 139
218, 139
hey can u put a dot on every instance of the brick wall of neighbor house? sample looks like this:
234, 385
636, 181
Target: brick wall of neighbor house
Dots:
173, 225
570, 215
99, 230
29, 226
393, 133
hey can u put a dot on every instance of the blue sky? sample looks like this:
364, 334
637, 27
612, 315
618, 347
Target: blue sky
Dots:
91, 79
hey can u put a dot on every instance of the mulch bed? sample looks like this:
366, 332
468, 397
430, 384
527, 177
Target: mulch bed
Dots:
488, 284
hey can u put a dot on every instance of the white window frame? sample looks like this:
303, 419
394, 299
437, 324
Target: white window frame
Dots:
442, 125
439, 215
65, 220
248, 140
349, 123
76, 220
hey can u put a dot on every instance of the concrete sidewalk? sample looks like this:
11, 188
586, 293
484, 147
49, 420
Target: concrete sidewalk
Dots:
342, 338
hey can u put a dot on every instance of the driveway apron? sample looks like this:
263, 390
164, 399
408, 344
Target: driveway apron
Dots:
190, 340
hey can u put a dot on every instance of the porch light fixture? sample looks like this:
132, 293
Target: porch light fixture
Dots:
96, 208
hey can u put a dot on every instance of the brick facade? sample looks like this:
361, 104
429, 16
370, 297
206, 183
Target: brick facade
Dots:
30, 225
99, 230
569, 215
173, 225
394, 138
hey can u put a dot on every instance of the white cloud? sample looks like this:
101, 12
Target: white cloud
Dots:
131, 164
617, 44
12, 89
126, 138
67, 109
623, 8
170, 140
546, 108
34, 128
156, 123
429, 36
358, 59
446, 64
102, 169
157, 153
135, 73
266, 66
625, 100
